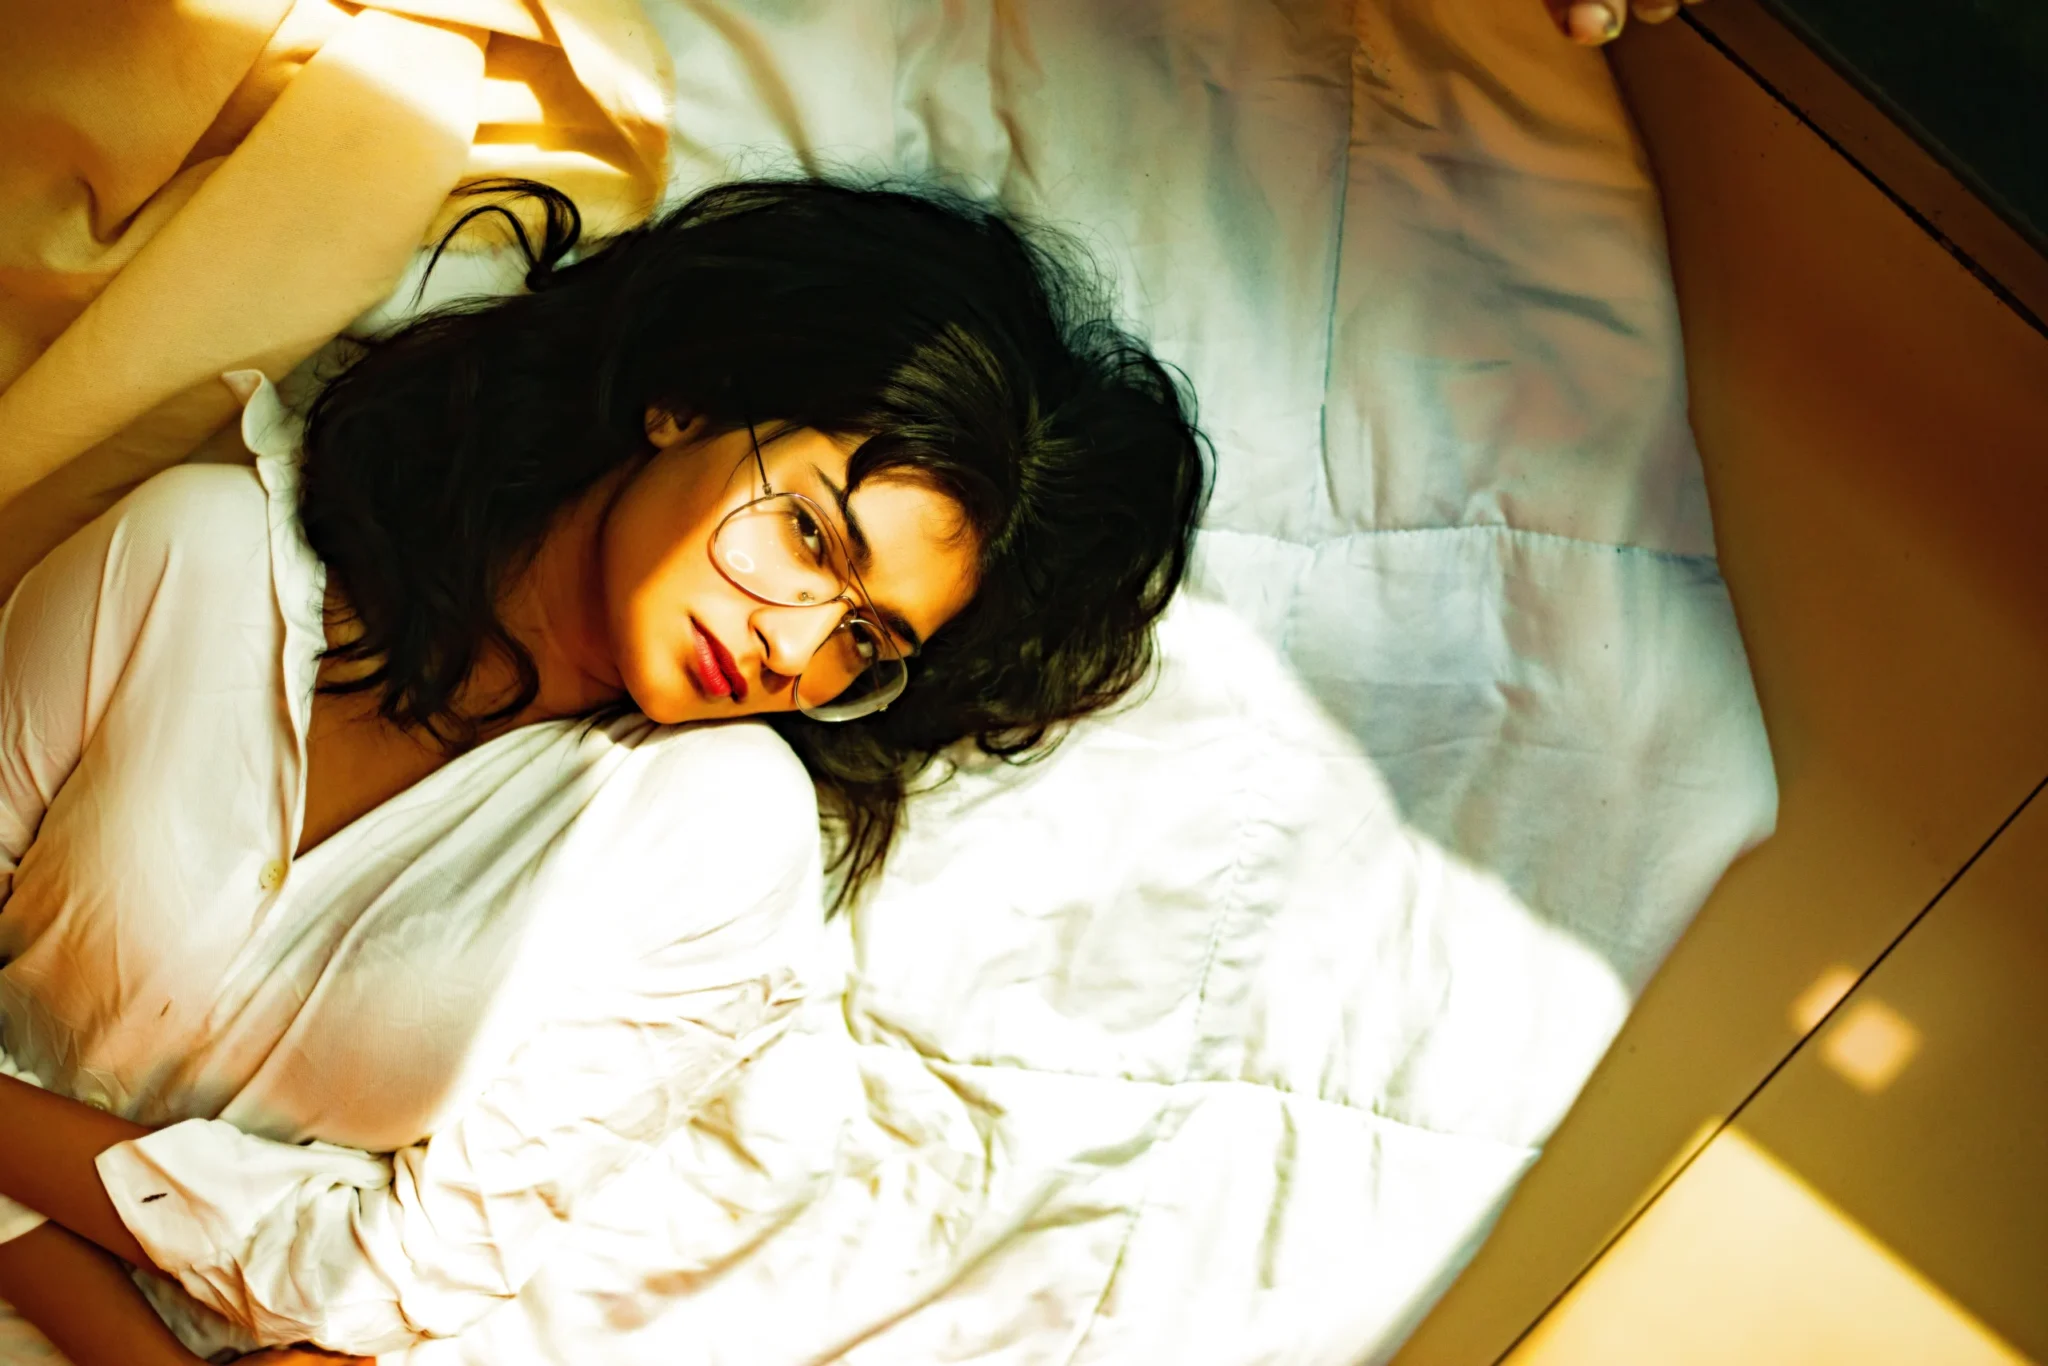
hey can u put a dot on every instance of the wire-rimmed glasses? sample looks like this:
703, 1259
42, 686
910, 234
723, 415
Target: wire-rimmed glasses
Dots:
781, 549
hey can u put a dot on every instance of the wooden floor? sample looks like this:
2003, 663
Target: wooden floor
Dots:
1822, 1177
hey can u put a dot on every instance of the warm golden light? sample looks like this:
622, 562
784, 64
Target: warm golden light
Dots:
1741, 1261
1870, 1045
1817, 1000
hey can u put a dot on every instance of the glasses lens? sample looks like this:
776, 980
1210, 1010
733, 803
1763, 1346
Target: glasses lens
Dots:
776, 549
852, 674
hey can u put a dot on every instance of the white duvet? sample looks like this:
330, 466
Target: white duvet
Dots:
1222, 1035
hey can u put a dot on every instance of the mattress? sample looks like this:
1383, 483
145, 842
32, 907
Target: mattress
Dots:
1223, 1034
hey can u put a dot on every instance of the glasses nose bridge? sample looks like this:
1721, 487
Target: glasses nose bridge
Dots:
795, 633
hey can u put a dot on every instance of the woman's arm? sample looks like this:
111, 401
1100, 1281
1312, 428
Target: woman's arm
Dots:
47, 1163
61, 615
674, 958
371, 1254
65, 635
51, 629
83, 1300
15, 1217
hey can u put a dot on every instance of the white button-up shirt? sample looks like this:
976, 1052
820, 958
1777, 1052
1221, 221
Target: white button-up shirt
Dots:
515, 978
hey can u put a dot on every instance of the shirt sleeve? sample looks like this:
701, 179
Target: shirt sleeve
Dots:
47, 636
47, 632
705, 912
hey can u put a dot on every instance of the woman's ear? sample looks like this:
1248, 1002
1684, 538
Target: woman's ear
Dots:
664, 431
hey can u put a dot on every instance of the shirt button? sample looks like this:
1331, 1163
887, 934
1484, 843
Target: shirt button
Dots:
272, 876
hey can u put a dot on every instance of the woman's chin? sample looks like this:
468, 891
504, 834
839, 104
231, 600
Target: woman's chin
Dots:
667, 699
668, 715
674, 706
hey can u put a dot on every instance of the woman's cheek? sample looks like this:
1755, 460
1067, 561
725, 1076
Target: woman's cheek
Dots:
648, 672
665, 694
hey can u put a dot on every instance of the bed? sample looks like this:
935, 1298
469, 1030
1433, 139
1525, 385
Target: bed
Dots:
1224, 1034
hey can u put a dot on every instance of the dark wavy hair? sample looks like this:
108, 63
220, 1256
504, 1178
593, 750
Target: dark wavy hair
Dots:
944, 337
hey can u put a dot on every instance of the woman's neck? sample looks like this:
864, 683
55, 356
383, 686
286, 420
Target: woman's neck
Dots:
556, 609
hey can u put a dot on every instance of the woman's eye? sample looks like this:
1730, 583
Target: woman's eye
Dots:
813, 536
860, 642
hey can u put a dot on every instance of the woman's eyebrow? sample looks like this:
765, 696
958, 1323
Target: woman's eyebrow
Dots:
863, 553
864, 558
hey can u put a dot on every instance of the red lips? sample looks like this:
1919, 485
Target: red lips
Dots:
715, 668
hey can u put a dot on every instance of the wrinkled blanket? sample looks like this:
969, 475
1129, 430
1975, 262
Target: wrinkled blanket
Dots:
1223, 1035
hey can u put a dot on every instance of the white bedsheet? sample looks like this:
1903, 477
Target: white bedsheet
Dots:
1223, 1035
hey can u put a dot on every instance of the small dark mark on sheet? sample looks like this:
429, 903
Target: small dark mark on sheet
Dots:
158, 1196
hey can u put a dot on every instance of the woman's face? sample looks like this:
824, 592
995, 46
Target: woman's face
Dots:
687, 644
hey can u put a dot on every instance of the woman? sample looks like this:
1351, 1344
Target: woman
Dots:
365, 797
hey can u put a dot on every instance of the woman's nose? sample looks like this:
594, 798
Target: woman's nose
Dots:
794, 634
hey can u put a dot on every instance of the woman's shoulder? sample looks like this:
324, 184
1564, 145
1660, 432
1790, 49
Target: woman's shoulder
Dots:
722, 765
191, 531
735, 784
204, 519
710, 830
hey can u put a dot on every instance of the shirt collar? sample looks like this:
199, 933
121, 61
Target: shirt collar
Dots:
274, 434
